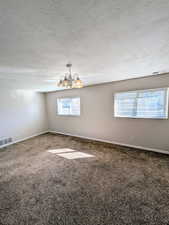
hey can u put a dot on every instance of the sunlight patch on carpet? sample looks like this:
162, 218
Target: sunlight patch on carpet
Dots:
60, 150
75, 155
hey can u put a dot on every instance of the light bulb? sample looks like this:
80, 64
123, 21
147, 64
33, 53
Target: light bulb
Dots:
65, 82
60, 83
78, 83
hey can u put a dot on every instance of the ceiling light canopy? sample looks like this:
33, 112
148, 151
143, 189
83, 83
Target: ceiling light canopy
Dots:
70, 81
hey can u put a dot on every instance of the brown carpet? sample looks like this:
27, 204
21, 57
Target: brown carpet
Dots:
116, 187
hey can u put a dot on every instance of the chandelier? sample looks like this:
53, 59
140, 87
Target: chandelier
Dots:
70, 81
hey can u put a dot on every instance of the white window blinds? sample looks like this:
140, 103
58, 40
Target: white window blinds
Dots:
68, 106
142, 104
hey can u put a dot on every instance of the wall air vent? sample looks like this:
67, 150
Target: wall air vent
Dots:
156, 73
5, 140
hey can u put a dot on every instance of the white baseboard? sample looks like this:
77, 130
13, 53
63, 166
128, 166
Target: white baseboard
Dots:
88, 138
113, 142
23, 139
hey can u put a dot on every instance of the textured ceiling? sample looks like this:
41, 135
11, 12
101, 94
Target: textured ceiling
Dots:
105, 40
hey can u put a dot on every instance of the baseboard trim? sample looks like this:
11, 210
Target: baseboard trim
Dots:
113, 142
24, 139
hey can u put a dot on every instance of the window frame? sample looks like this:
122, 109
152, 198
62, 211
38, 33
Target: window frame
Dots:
67, 115
166, 89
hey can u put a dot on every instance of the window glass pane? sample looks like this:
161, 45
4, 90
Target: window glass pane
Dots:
68, 106
125, 107
151, 104
142, 104
75, 106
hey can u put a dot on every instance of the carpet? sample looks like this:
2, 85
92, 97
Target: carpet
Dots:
117, 186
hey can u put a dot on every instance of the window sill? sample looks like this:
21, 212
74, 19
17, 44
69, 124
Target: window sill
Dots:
127, 117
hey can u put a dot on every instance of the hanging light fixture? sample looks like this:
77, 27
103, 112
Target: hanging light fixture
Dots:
69, 81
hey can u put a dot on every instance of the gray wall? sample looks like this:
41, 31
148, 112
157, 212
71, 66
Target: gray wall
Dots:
97, 121
22, 113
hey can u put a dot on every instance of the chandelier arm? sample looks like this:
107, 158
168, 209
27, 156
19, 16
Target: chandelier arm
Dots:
70, 70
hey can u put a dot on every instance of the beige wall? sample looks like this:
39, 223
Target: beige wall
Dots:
97, 120
22, 113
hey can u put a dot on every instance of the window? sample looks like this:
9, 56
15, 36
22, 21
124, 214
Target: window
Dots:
68, 106
142, 104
